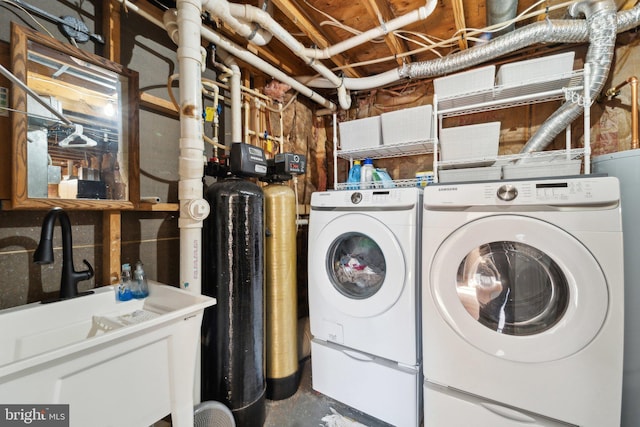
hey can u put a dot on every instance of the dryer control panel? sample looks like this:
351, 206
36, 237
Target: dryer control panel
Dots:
575, 191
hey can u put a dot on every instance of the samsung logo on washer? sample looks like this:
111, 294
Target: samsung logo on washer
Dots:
447, 188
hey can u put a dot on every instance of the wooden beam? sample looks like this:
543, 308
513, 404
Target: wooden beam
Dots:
380, 11
158, 105
111, 29
458, 16
111, 247
304, 24
111, 220
5, 128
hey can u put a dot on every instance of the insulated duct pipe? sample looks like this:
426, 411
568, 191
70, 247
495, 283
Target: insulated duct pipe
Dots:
600, 28
193, 208
549, 31
236, 95
170, 22
499, 11
219, 8
601, 21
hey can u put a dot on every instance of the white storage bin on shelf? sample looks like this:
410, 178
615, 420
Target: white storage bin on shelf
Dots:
478, 141
408, 125
541, 169
466, 82
545, 89
360, 133
551, 69
487, 173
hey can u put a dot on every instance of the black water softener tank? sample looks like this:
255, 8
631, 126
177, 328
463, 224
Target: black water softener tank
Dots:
233, 364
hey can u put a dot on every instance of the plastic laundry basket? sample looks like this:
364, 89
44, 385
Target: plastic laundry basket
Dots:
212, 414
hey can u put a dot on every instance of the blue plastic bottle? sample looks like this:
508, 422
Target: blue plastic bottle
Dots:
354, 176
124, 288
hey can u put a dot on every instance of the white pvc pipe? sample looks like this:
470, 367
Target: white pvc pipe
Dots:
248, 57
193, 208
360, 83
236, 95
247, 113
259, 63
335, 146
220, 8
131, 6
382, 30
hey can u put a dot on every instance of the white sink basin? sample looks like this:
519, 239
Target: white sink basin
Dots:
97, 354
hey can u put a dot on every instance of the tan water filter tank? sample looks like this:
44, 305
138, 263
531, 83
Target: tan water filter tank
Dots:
280, 291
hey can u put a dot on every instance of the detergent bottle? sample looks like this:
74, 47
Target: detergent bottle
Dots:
366, 174
354, 176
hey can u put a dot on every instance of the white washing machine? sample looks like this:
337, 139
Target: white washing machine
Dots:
364, 264
522, 303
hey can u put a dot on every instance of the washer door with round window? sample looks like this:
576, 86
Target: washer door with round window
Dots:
363, 264
519, 288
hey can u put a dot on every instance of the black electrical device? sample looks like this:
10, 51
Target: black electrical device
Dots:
284, 166
290, 163
217, 167
247, 160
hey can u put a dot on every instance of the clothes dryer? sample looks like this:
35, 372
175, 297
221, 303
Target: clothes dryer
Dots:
364, 264
523, 303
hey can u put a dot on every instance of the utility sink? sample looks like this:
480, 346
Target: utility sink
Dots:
115, 363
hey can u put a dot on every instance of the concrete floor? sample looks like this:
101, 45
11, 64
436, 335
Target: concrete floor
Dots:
307, 407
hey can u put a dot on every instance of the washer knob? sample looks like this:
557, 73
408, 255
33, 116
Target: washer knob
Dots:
507, 192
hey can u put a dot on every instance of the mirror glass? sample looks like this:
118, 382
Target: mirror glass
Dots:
76, 141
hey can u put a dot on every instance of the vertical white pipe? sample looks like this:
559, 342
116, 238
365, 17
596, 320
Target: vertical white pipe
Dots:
587, 119
191, 145
236, 95
335, 150
247, 114
193, 208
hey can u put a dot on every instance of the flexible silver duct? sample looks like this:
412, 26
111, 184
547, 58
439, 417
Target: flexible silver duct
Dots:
550, 31
600, 29
601, 21
628, 19
499, 11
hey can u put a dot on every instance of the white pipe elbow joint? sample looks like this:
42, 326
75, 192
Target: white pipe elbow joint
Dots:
170, 20
344, 97
426, 10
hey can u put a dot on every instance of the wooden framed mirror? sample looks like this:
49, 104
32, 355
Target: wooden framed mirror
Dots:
75, 127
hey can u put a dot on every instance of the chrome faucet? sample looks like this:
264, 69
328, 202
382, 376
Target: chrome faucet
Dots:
44, 254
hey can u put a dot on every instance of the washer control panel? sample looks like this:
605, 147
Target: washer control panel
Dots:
407, 197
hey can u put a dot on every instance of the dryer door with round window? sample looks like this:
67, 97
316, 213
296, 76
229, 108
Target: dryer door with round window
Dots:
364, 265
519, 288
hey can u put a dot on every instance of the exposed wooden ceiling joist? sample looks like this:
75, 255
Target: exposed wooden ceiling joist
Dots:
381, 12
458, 15
304, 24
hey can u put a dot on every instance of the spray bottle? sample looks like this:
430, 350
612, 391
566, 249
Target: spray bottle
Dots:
140, 285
